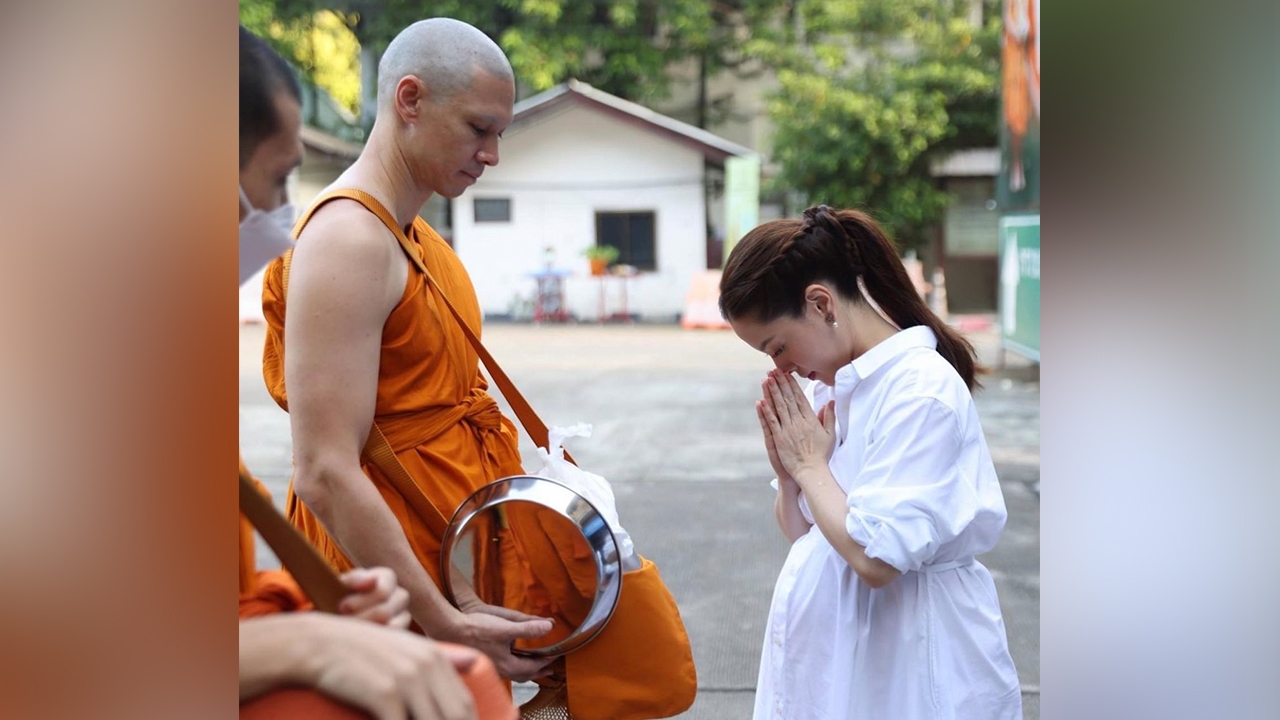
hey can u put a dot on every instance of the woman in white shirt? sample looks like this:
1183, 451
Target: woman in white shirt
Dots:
887, 491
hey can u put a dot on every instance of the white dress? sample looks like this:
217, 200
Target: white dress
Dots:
923, 497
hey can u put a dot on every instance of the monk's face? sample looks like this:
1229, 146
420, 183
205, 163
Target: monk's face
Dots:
264, 177
458, 136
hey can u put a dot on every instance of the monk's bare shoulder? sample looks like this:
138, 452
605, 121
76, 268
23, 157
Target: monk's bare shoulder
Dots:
346, 225
348, 249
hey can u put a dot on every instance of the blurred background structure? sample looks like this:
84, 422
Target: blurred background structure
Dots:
666, 130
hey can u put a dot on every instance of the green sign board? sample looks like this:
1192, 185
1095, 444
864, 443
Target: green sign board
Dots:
1018, 185
741, 198
1020, 284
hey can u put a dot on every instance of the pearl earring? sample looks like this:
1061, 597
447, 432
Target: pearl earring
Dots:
832, 320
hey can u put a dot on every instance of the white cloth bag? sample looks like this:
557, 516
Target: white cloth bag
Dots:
595, 489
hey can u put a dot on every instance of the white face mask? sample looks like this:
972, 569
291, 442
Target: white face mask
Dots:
263, 235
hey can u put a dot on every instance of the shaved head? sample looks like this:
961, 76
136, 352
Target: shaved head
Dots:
444, 54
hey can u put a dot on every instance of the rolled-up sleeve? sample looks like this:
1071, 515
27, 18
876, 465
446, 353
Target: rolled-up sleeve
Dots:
910, 495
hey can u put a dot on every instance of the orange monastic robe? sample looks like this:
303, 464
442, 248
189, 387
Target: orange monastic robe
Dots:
1017, 66
432, 402
275, 591
268, 591
433, 407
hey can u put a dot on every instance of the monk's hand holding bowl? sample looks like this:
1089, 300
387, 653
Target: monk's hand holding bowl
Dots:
492, 629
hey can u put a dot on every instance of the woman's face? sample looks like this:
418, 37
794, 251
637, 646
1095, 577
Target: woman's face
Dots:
807, 346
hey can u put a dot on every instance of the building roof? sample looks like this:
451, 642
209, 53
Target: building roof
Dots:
319, 140
574, 94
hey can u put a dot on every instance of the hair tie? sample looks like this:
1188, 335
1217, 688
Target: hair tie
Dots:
823, 216
814, 215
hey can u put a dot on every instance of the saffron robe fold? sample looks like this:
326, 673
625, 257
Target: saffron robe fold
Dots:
268, 591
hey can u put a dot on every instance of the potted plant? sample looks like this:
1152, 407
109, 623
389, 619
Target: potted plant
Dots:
600, 256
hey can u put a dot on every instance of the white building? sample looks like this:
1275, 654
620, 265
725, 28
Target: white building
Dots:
964, 244
580, 167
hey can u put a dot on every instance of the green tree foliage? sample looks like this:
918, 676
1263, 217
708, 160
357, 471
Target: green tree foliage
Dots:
871, 92
319, 42
725, 36
621, 46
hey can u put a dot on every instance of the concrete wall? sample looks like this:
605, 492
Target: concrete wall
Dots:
559, 171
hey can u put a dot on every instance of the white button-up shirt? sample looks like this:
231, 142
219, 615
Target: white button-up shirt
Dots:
922, 495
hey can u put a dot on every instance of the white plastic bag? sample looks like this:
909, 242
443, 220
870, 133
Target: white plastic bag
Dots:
595, 489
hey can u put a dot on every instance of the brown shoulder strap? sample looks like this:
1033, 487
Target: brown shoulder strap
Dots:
379, 452
298, 556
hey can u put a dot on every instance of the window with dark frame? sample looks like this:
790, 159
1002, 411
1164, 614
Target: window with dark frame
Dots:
493, 210
632, 233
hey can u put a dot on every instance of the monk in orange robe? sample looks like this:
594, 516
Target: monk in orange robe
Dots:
367, 338
271, 147
361, 346
348, 658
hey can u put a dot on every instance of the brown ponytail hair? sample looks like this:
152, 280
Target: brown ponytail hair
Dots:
769, 269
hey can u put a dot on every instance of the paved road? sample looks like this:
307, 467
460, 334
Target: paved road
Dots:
676, 434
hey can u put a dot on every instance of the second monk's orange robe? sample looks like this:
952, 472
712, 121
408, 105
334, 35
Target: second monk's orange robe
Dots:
275, 591
268, 591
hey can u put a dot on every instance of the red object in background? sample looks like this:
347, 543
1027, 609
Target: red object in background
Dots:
622, 274
970, 323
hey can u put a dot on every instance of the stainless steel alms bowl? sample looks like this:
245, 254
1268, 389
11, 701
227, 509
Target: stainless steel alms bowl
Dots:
548, 530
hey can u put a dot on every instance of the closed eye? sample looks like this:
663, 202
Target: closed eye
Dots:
777, 351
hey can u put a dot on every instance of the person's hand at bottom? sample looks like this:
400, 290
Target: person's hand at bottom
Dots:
389, 673
375, 596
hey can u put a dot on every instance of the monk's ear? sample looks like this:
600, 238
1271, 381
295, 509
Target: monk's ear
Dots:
411, 94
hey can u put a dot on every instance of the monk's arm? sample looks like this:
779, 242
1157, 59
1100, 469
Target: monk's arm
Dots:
343, 285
